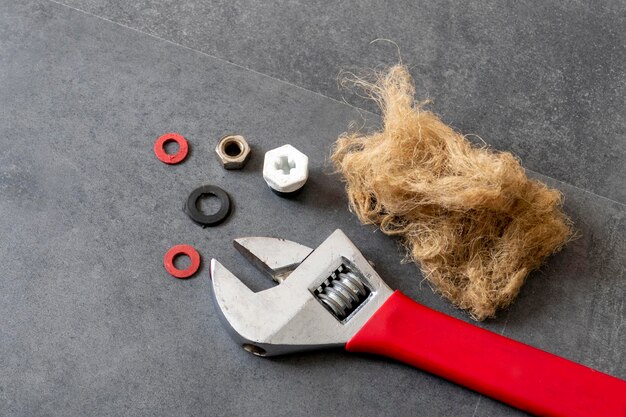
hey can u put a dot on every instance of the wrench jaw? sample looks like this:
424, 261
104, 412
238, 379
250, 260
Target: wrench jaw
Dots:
292, 316
277, 258
251, 318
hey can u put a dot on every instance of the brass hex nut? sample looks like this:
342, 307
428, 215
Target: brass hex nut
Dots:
233, 151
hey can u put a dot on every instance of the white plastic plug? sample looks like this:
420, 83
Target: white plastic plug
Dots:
285, 169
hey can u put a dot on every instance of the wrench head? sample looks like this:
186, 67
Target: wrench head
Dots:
321, 303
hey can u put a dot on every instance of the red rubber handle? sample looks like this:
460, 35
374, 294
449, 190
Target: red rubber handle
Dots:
517, 374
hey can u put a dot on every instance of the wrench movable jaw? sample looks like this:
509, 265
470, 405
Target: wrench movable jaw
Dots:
322, 303
277, 258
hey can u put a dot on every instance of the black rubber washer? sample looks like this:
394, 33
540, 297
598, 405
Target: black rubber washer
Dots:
207, 219
287, 195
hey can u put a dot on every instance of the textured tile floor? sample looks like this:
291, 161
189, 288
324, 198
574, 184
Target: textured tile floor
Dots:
544, 79
92, 325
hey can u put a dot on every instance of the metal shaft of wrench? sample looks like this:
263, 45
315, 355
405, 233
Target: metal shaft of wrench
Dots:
331, 296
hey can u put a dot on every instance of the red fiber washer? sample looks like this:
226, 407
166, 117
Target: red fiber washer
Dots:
159, 148
168, 261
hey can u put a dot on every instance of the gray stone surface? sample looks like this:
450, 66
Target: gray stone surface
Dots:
91, 323
543, 79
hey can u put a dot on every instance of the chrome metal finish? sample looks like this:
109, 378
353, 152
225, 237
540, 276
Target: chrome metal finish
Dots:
275, 257
343, 292
290, 317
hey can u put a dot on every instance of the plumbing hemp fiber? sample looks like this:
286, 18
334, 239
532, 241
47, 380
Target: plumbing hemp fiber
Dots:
470, 217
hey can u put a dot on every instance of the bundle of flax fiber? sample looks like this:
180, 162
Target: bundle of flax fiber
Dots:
469, 216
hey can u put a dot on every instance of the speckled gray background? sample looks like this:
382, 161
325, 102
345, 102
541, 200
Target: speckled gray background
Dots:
91, 323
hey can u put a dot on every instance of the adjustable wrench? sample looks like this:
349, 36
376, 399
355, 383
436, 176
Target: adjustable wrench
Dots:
331, 296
